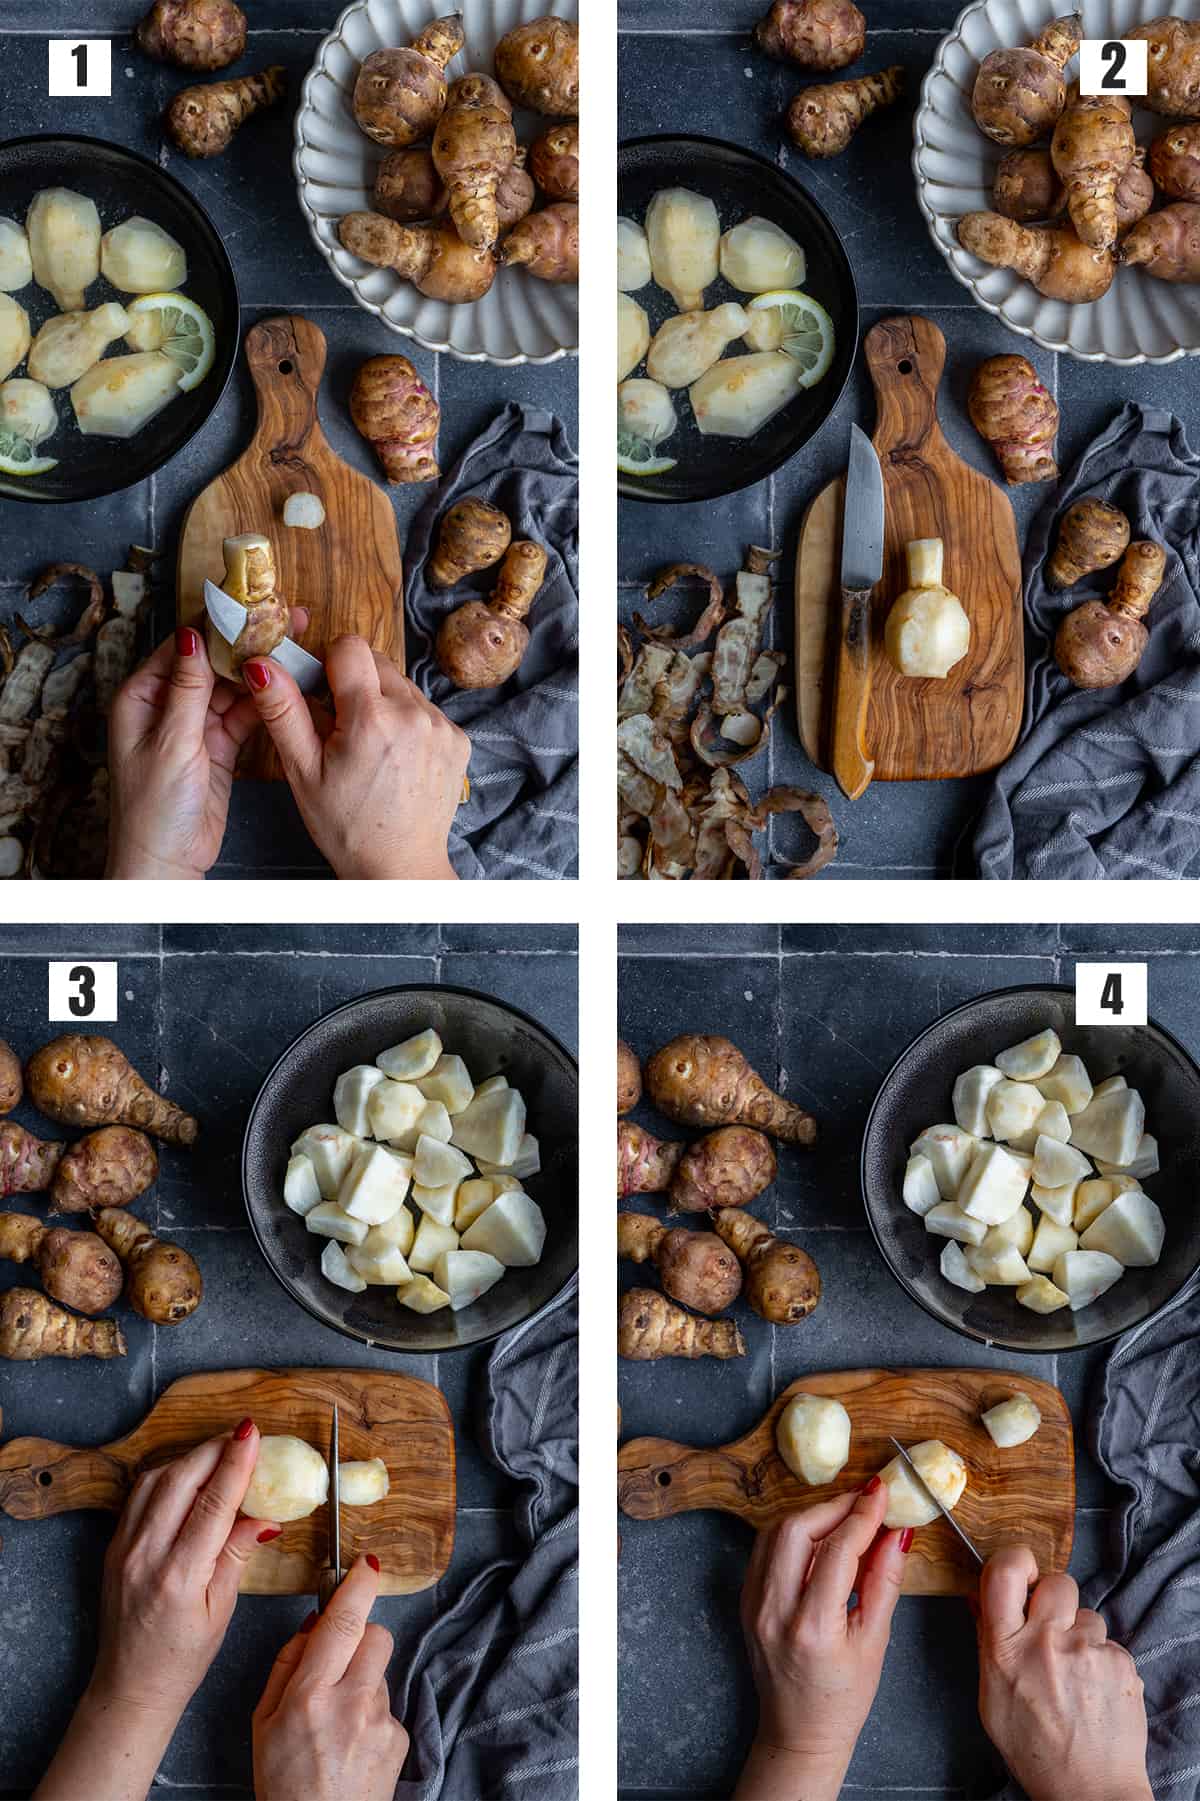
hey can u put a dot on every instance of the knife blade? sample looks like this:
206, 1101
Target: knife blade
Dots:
976, 1553
331, 1576
862, 566
229, 617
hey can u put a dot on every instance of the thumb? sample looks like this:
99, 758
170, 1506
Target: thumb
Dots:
190, 682
284, 712
243, 1541
283, 1669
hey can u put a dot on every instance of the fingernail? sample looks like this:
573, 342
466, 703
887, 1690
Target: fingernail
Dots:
244, 1430
906, 1538
268, 1533
868, 1488
309, 1621
257, 674
373, 1561
187, 643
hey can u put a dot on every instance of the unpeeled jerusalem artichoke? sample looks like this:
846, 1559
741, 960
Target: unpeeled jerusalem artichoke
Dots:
87, 1081
472, 535
398, 416
705, 1081
163, 1283
249, 578
546, 243
726, 1168
76, 1268
202, 121
108, 1168
409, 189
481, 644
1027, 189
817, 34
537, 65
473, 146
645, 1164
696, 1268
1175, 162
1020, 92
782, 1281
1018, 416
12, 1085
554, 162
927, 630
821, 121
27, 1164
1091, 535
629, 1078
193, 34
650, 1327
400, 92
433, 257
1100, 644
1166, 244
31, 1327
1092, 149
1052, 258
1172, 65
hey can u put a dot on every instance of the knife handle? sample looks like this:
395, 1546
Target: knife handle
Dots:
852, 690
326, 1588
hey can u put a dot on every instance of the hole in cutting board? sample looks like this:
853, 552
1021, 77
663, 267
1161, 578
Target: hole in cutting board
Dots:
904, 367
663, 1478
286, 367
44, 1478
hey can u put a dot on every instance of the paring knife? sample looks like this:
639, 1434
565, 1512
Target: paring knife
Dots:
229, 616
862, 566
331, 1576
944, 1511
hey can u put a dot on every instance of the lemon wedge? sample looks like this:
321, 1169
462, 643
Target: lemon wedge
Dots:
795, 323
179, 328
19, 457
637, 456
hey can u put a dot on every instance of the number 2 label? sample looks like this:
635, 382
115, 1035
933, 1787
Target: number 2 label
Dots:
1113, 66
1110, 994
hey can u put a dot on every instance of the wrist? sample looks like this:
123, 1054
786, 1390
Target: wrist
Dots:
141, 1717
801, 1771
133, 865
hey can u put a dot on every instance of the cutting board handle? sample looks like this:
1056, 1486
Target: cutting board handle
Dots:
906, 357
287, 359
39, 1477
656, 1478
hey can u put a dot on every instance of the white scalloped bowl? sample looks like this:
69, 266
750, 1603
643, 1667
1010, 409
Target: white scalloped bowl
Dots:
519, 320
1139, 320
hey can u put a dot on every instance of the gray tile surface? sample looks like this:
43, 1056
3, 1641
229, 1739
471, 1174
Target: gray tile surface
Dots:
821, 1016
205, 1021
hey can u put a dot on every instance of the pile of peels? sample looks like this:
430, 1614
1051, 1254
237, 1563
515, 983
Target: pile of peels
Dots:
687, 717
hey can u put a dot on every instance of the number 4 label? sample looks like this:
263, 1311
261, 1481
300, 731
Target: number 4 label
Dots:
80, 68
83, 991
1113, 66
1110, 994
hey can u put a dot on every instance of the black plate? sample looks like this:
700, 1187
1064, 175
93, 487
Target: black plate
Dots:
123, 185
916, 1094
492, 1039
739, 184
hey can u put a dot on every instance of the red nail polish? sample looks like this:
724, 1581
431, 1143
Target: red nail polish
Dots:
310, 1620
257, 674
906, 1538
187, 643
869, 1488
373, 1561
244, 1430
268, 1533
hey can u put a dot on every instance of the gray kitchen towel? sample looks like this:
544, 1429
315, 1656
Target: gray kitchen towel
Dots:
522, 819
491, 1698
1107, 783
1144, 1430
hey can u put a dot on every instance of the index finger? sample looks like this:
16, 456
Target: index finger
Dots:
835, 1567
214, 1510
1004, 1588
338, 1633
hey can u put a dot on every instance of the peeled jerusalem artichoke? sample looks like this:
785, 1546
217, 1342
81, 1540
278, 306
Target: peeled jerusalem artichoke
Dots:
645, 411
758, 256
163, 1283
737, 396
554, 162
27, 410
249, 578
193, 34
821, 121
67, 345
86, 1081
290, 1480
473, 146
629, 1078
1020, 92
64, 241
817, 34
706, 1081
696, 1268
398, 416
139, 257
1018, 416
433, 257
633, 256
927, 630
1101, 642
537, 65
121, 394
31, 1327
108, 1168
1052, 258
812, 1435
1166, 244
400, 93
633, 334
1092, 149
1091, 536
546, 243
15, 335
940, 1468
472, 535
76, 1268
782, 1281
482, 643
687, 344
683, 235
27, 1164
650, 1327
16, 264
202, 121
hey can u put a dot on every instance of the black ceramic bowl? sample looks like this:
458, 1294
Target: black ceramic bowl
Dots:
739, 184
123, 185
492, 1039
916, 1093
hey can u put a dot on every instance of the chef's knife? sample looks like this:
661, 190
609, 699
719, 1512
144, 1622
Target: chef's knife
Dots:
229, 616
862, 565
332, 1575
949, 1518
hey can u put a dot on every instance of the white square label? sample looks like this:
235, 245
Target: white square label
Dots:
80, 67
1113, 66
1110, 994
83, 991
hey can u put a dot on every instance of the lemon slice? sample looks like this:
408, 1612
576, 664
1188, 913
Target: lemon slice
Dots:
637, 456
799, 326
179, 328
19, 457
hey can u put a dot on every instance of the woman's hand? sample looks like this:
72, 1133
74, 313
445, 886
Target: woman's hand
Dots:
174, 735
378, 780
816, 1663
324, 1728
1061, 1704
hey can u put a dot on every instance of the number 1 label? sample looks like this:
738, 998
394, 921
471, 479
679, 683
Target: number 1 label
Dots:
1110, 994
82, 992
80, 69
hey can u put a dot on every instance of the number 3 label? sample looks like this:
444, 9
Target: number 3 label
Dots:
1110, 994
80, 68
83, 991
1113, 66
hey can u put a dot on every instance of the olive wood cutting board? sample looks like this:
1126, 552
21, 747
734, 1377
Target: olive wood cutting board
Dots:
917, 729
1025, 1495
398, 1418
349, 572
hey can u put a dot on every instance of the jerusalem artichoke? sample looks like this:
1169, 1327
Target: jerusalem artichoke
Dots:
249, 578
1172, 65
31, 1327
409, 189
472, 147
1017, 416
64, 241
687, 344
821, 121
696, 1268
1019, 93
645, 1164
472, 535
202, 121
163, 1283
683, 236
727, 1168
629, 1078
398, 416
11, 1084
27, 1164
782, 1281
108, 1168
68, 344
537, 65
76, 1268
16, 337
1091, 536
554, 162
193, 34
86, 1081
433, 257
546, 243
481, 644
1175, 162
1052, 258
817, 34
1026, 189
1166, 244
1092, 148
927, 630
706, 1081
400, 93
650, 1327
1101, 642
